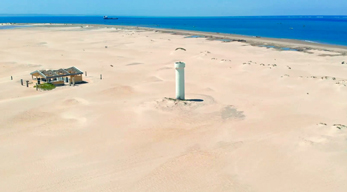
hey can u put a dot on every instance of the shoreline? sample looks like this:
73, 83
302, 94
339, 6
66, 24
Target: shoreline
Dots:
267, 42
300, 45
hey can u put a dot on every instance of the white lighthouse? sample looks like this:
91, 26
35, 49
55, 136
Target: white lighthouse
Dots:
179, 66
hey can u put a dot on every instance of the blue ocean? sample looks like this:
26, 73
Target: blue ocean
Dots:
319, 29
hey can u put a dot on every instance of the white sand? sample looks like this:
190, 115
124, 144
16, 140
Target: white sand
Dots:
261, 127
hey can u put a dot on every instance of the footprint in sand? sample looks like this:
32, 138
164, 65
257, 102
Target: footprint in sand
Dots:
131, 64
75, 117
229, 146
171, 104
314, 140
324, 134
118, 91
74, 102
32, 116
230, 112
153, 79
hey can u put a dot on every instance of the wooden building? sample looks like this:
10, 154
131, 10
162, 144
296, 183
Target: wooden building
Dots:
70, 76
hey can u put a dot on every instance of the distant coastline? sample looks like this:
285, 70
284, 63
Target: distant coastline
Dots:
275, 43
321, 29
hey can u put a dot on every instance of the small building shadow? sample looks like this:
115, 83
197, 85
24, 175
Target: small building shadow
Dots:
82, 82
67, 84
79, 83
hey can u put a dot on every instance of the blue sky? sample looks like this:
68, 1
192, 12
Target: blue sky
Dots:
175, 7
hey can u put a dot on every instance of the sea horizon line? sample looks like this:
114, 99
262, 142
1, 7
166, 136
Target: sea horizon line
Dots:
156, 16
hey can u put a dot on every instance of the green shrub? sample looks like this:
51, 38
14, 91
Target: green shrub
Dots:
46, 86
180, 48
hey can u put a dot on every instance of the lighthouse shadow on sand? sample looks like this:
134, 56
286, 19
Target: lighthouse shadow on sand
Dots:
191, 100
194, 100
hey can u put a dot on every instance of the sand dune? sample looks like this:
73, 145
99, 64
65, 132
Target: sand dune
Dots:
255, 119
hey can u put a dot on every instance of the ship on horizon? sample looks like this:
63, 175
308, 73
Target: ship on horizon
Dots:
106, 17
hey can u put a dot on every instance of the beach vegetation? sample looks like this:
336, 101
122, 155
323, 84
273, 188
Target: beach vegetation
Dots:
180, 48
46, 86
